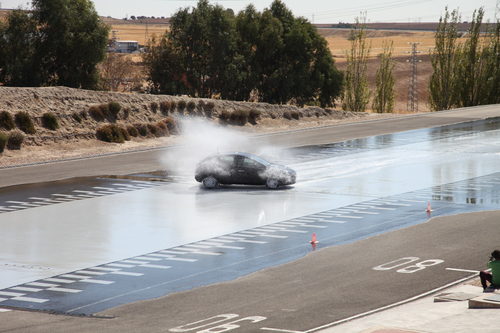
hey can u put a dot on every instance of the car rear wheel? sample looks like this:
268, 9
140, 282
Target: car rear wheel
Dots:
210, 182
272, 183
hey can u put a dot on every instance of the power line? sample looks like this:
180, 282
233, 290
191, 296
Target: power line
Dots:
374, 8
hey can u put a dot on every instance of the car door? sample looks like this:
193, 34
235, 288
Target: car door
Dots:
238, 173
225, 169
252, 171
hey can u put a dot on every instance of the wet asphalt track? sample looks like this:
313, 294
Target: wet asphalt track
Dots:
254, 228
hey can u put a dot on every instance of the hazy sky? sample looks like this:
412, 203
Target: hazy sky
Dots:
318, 11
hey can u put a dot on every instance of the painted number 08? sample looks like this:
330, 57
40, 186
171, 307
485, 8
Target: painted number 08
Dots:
215, 324
408, 269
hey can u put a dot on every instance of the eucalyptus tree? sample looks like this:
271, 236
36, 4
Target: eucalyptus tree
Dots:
59, 41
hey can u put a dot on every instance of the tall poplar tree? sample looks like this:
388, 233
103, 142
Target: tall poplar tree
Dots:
383, 100
356, 92
443, 83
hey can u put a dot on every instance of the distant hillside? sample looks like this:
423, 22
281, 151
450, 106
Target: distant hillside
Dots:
410, 26
139, 20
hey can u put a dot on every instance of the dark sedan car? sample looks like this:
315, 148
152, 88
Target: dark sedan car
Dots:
242, 168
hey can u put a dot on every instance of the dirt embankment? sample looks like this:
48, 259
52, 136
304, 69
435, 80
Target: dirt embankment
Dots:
76, 135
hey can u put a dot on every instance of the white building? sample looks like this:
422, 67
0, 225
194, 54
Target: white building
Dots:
126, 46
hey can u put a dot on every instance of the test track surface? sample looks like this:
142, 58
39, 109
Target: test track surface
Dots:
325, 286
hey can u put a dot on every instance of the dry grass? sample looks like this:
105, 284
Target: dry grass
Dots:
138, 32
339, 44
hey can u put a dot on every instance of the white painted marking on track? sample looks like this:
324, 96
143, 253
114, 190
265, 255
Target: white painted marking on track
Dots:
161, 255
279, 330
306, 218
31, 205
45, 200
382, 208
243, 240
196, 246
408, 200
10, 294
253, 241
146, 258
181, 259
128, 189
32, 290
107, 269
107, 189
63, 195
106, 192
272, 229
120, 265
309, 225
133, 262
4, 310
209, 243
230, 247
127, 273
462, 270
41, 284
391, 202
87, 192
62, 199
173, 252
221, 240
261, 234
59, 280
97, 281
156, 266
368, 213
349, 216
230, 238
90, 272
222, 246
65, 290
196, 251
73, 276
30, 299
245, 236
332, 221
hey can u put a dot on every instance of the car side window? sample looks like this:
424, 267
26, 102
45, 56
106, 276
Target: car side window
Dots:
226, 160
251, 164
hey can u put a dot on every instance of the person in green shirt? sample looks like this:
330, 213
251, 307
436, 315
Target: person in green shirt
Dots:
494, 277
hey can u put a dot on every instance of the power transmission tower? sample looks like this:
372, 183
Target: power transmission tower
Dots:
497, 11
412, 104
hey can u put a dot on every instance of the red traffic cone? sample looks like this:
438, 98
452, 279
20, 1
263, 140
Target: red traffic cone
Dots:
313, 239
429, 209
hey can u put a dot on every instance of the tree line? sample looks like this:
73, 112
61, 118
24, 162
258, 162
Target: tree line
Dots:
269, 56
465, 73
